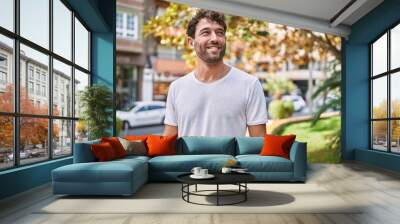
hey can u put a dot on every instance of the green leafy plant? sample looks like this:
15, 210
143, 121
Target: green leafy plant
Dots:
279, 109
278, 86
96, 103
330, 87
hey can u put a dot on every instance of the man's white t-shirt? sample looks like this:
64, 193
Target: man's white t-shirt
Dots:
221, 108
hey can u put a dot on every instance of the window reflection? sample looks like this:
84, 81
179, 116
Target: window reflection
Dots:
34, 21
81, 82
379, 55
62, 89
379, 135
395, 47
6, 142
81, 45
6, 74
33, 140
62, 138
62, 29
395, 95
379, 98
34, 88
7, 14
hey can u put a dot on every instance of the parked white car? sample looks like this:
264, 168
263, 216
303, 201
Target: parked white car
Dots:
143, 113
298, 101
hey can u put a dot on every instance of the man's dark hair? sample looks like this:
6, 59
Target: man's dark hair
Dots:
207, 14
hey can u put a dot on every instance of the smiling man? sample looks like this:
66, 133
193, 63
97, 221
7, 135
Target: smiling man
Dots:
215, 99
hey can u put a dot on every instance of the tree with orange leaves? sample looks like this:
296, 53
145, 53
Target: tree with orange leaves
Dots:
33, 130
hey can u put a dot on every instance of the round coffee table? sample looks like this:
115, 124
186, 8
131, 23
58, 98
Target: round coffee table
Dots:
238, 179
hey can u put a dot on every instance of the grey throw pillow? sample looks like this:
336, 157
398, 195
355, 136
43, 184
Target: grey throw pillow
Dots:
137, 147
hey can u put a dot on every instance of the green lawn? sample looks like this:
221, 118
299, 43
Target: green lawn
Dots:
323, 139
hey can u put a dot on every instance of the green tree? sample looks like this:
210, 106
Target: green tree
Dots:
278, 86
97, 104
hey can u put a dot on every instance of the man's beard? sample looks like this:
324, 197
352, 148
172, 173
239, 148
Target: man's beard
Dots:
202, 53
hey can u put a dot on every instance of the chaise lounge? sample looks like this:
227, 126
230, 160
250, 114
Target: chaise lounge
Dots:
125, 176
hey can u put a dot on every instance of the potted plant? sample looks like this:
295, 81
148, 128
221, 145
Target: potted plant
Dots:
96, 103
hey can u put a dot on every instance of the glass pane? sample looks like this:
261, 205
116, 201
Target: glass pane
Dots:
81, 81
395, 136
379, 55
62, 89
7, 14
395, 94
35, 21
62, 138
33, 139
62, 29
81, 45
379, 98
81, 131
6, 142
379, 135
6, 74
34, 97
395, 47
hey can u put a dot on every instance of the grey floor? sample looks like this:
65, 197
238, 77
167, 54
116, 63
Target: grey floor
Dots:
377, 188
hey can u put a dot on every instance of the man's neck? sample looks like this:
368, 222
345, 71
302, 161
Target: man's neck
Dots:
210, 72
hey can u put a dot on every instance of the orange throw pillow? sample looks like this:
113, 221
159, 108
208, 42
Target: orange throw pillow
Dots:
103, 152
277, 145
135, 137
116, 145
161, 145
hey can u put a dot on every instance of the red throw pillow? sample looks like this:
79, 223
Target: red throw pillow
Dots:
161, 145
103, 151
277, 145
116, 145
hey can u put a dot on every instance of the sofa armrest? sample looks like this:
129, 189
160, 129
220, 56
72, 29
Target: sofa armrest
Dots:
298, 155
83, 152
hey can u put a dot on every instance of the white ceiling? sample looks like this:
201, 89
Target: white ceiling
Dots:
316, 15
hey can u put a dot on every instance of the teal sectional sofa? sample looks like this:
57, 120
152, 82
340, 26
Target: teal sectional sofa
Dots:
125, 176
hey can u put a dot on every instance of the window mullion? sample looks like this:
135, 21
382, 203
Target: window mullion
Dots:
16, 85
50, 82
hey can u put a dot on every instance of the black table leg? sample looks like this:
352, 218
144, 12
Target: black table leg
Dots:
245, 193
217, 194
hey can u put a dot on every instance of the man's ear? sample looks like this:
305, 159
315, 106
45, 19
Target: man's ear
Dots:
190, 41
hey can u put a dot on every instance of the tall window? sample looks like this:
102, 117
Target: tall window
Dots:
39, 57
385, 94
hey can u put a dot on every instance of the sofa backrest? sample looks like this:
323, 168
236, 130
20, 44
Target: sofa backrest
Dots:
83, 152
249, 145
192, 145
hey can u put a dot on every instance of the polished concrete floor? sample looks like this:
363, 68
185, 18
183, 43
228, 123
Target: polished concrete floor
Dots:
379, 190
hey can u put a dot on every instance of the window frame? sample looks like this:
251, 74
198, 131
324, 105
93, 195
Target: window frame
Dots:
388, 74
16, 114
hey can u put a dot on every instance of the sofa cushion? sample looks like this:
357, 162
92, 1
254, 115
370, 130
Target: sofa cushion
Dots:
249, 145
257, 163
195, 145
112, 171
185, 163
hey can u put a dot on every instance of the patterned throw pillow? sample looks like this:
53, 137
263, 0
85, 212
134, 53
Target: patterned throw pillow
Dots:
134, 147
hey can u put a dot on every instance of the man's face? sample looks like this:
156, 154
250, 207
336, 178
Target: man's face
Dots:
209, 41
